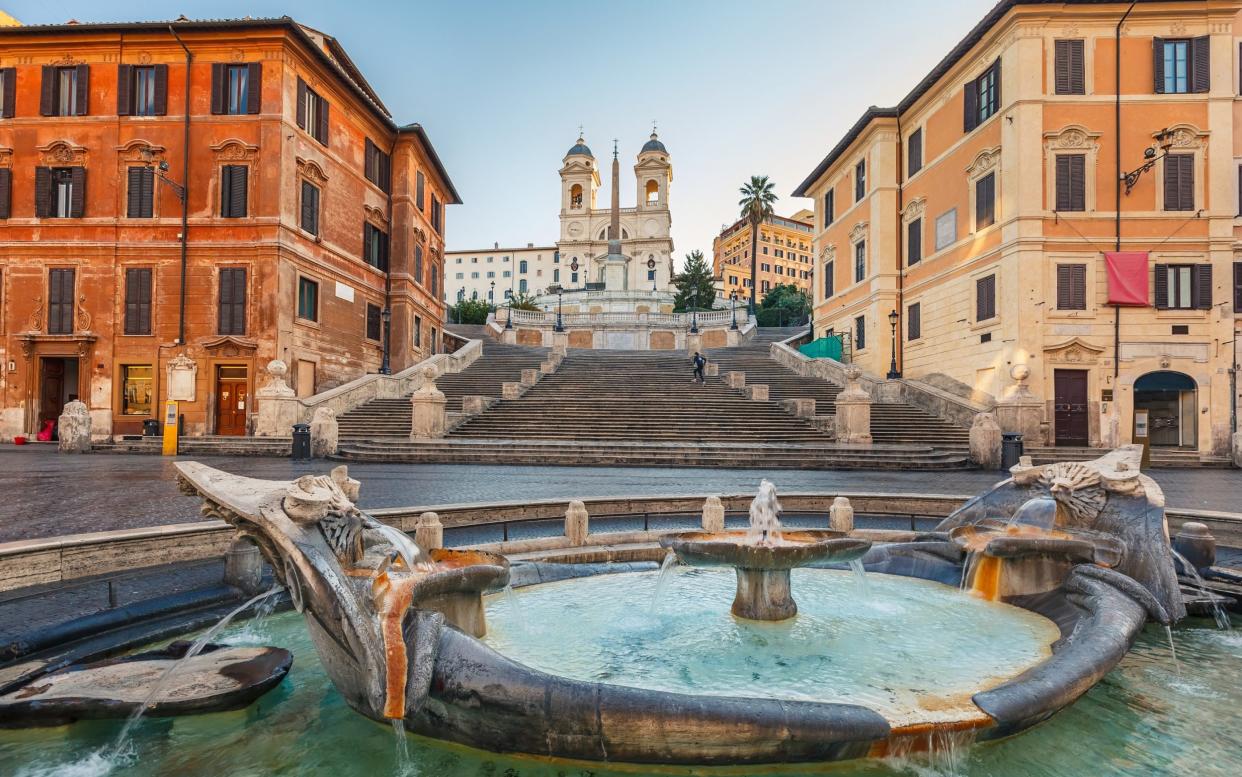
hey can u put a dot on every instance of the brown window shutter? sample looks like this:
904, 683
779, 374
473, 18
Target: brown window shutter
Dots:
1186, 182
47, 91
914, 324
254, 87
131, 302
1200, 65
223, 309
238, 190
366, 243
301, 103
6, 192
144, 302
1077, 67
124, 91
970, 105
1078, 296
1237, 287
226, 186
43, 192
1063, 181
133, 207
161, 90
1157, 66
1061, 67
914, 242
84, 90
368, 161
1161, 286
8, 99
77, 197
321, 133
1078, 182
1202, 293
914, 154
239, 301
1063, 287
219, 88
60, 301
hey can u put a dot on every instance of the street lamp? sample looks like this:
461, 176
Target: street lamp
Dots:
694, 313
386, 316
560, 327
491, 294
509, 314
893, 374
733, 308
1164, 142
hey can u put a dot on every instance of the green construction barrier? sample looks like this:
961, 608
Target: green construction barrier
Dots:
823, 348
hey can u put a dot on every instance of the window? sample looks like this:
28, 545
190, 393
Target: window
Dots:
1071, 183
418, 190
914, 242
373, 322
491, 273
60, 192
142, 90
437, 214
505, 274
914, 321
65, 90
1071, 287
312, 112
462, 275
522, 285
860, 333
556, 275
1179, 182
573, 277
1181, 66
1069, 71
474, 275
828, 280
60, 301
8, 91
435, 279
236, 89
946, 229
1183, 286
418, 327
234, 191
310, 207
136, 389
232, 313
375, 247
434, 339
651, 275
138, 301
860, 261
914, 152
418, 264
308, 299
522, 266
377, 167
985, 201
6, 192
1237, 287
985, 298
140, 192
981, 97
860, 180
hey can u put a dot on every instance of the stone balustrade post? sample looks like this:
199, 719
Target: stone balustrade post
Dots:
713, 515
276, 404
694, 344
1021, 411
799, 408
712, 370
577, 523
428, 532
530, 377
560, 343
735, 379
757, 392
853, 417
841, 515
473, 404
325, 433
428, 403
243, 566
985, 441
510, 390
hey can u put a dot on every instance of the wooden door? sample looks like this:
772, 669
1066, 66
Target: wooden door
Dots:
1070, 407
232, 402
51, 389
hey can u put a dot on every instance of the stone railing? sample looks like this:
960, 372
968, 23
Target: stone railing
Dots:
712, 318
279, 409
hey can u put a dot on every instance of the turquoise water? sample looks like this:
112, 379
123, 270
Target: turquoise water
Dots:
1144, 719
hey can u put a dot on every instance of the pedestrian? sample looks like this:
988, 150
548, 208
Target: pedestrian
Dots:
699, 363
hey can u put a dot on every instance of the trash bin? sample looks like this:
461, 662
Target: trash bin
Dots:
301, 442
1011, 449
151, 428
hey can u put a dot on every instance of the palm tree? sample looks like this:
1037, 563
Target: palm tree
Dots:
756, 203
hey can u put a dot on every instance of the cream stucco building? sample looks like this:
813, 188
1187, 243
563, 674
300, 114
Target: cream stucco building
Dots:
498, 272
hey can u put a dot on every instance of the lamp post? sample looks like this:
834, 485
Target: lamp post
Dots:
1164, 142
491, 294
509, 315
893, 373
694, 313
386, 316
559, 325
733, 308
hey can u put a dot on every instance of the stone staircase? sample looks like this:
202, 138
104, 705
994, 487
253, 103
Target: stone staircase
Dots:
207, 445
1160, 457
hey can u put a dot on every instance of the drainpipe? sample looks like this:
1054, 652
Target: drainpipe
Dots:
185, 190
1117, 181
900, 340
386, 362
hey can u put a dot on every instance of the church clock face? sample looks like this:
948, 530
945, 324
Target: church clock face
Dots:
574, 229
651, 264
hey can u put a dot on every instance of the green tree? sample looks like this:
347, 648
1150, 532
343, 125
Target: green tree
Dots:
695, 286
784, 305
756, 204
523, 301
470, 311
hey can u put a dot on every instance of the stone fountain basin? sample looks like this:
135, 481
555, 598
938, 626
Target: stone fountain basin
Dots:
795, 549
1001, 541
462, 571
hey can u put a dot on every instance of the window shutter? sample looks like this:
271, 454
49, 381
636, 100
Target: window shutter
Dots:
1063, 181
124, 89
1078, 288
10, 92
367, 231
914, 242
970, 105
387, 174
144, 301
914, 324
219, 87
161, 90
77, 197
1078, 182
1161, 286
1061, 67
1202, 287
301, 103
1157, 66
224, 315
6, 192
321, 133
1200, 65
238, 190
148, 193
1063, 287
60, 302
131, 301
996, 81
239, 301
368, 160
84, 90
915, 154
1172, 171
1237, 287
43, 192
985, 298
133, 207
47, 91
254, 87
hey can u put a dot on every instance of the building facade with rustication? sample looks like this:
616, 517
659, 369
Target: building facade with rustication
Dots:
991, 215
314, 225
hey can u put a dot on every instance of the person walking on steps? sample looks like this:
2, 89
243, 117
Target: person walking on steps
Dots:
699, 363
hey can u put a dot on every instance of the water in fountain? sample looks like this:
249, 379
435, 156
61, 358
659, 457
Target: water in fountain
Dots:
666, 569
1218, 610
765, 524
860, 574
404, 766
255, 631
515, 607
405, 546
1168, 630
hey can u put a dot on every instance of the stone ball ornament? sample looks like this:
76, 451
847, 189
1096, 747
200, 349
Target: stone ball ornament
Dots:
1020, 372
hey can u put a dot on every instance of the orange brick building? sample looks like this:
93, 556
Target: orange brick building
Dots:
784, 255
313, 228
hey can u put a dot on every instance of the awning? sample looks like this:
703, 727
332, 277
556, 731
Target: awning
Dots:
1127, 277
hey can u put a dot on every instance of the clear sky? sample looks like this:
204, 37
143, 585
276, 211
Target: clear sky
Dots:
738, 88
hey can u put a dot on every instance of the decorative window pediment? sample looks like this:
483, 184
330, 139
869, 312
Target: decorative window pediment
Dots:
311, 170
828, 253
234, 150
1072, 137
1187, 136
914, 210
61, 153
986, 160
376, 217
859, 232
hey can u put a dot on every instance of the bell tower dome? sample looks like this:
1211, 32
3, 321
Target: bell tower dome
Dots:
653, 173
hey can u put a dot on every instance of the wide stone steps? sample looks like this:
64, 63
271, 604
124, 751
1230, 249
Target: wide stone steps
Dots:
1160, 457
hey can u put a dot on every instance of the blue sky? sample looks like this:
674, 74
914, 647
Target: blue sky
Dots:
737, 88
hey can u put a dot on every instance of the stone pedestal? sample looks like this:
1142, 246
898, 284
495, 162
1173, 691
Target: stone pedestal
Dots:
1021, 411
1237, 450
694, 344
530, 377
576, 523
243, 567
325, 433
276, 404
799, 408
508, 336
841, 515
985, 441
510, 390
712, 369
713, 514
735, 379
757, 392
428, 532
473, 404
547, 367
73, 428
427, 405
853, 417
763, 595
560, 344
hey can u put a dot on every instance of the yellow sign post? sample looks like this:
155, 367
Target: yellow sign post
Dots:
170, 428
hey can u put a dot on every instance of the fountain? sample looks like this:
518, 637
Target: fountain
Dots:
763, 555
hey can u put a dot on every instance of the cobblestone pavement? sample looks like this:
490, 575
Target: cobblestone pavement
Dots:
43, 494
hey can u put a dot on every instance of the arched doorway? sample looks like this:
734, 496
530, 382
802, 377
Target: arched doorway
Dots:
1170, 402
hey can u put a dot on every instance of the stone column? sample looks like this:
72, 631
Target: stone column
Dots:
576, 523
841, 515
73, 428
1021, 411
277, 404
985, 441
243, 566
853, 410
325, 433
428, 407
713, 515
428, 532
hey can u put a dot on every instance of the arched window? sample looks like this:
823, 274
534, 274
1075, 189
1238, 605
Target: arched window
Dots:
575, 196
653, 192
522, 286
522, 266
556, 275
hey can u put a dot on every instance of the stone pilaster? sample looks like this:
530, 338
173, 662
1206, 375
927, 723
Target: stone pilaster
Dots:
73, 428
325, 433
735, 379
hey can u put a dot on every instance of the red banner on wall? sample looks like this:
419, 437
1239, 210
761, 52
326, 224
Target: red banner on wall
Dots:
1127, 277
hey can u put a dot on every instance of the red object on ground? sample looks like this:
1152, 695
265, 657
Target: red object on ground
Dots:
1127, 277
19, 440
45, 431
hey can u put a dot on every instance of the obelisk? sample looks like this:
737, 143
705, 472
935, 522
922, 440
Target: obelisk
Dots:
615, 276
